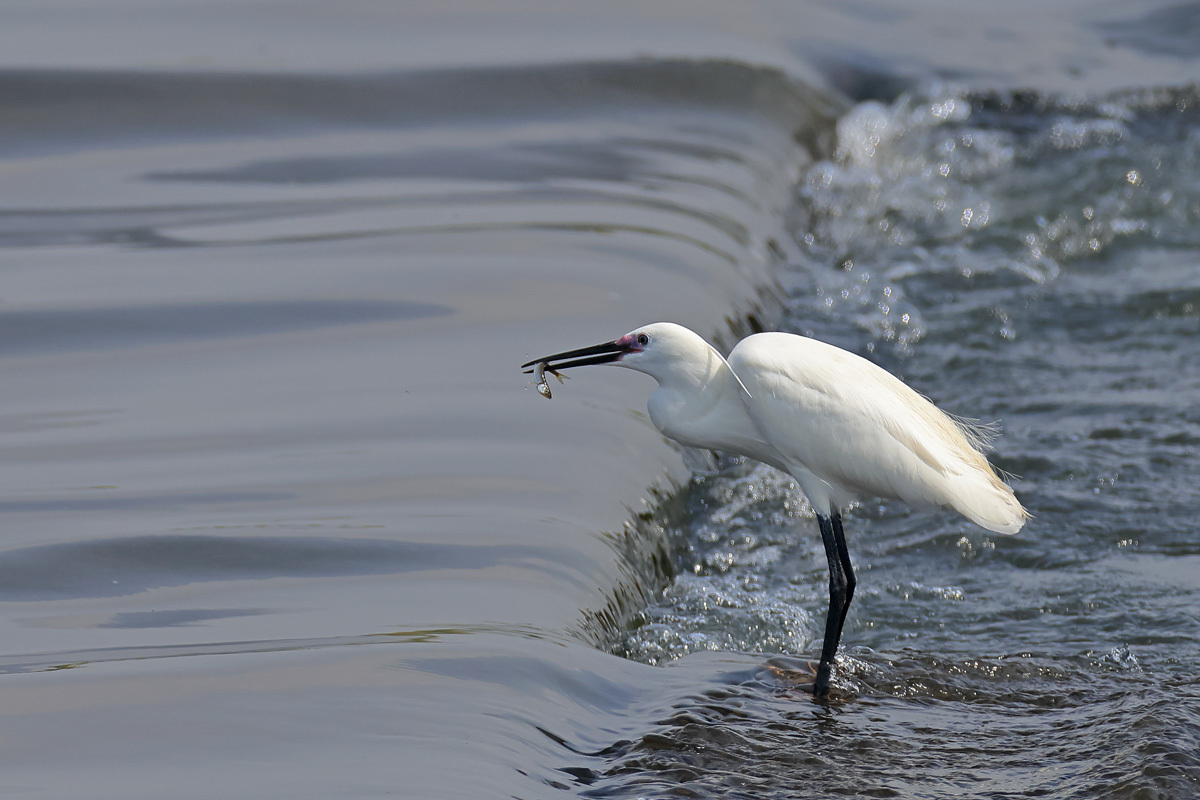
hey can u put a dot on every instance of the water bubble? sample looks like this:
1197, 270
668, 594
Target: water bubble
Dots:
1120, 658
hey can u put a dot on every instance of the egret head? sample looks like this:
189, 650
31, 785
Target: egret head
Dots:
661, 350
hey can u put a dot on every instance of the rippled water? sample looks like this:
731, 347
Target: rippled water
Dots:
281, 516
1016, 257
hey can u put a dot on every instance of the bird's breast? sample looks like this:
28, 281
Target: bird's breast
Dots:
723, 423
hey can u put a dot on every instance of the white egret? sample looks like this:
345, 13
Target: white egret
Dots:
841, 426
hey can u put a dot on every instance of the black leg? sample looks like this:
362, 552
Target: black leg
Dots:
841, 590
847, 569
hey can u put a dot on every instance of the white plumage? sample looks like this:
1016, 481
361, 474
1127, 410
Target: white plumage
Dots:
843, 427
861, 432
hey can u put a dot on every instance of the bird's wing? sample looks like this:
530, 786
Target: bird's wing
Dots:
848, 439
863, 431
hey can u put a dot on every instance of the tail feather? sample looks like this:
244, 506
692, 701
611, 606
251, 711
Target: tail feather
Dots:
988, 502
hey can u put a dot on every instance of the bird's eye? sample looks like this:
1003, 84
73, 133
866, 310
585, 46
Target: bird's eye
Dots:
643, 339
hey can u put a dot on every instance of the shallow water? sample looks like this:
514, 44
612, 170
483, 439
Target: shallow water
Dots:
1023, 259
282, 518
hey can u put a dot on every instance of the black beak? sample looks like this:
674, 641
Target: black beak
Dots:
585, 356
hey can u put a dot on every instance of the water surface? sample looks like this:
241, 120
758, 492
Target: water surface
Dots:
282, 518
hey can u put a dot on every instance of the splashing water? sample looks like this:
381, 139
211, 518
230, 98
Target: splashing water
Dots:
1020, 257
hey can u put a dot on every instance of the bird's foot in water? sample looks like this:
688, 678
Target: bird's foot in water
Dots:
807, 679
821, 684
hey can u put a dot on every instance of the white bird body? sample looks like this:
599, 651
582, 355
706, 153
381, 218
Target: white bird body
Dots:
843, 427
858, 431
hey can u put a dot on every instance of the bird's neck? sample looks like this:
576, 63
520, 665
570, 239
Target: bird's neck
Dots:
697, 379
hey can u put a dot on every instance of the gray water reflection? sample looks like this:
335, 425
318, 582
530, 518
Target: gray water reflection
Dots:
522, 163
174, 618
73, 330
115, 567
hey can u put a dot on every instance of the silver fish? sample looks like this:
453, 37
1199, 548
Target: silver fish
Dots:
539, 372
